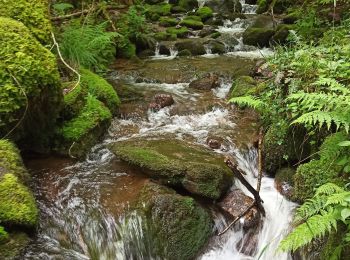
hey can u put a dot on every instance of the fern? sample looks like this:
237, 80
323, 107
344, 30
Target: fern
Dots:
88, 45
330, 205
249, 101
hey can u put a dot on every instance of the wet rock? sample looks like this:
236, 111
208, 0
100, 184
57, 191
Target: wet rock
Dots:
215, 21
177, 163
235, 203
184, 53
262, 70
207, 30
258, 36
193, 45
188, 5
243, 86
160, 101
164, 50
208, 82
214, 143
224, 6
145, 53
216, 46
282, 32
177, 225
284, 181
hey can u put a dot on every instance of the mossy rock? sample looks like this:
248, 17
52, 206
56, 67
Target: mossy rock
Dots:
195, 46
226, 7
283, 145
243, 86
279, 6
164, 36
178, 9
154, 12
179, 32
101, 89
26, 66
215, 35
168, 21
128, 93
184, 53
282, 32
17, 204
258, 36
188, 5
311, 175
292, 18
178, 164
126, 50
4, 236
192, 23
284, 181
178, 226
15, 244
204, 13
34, 14
79, 134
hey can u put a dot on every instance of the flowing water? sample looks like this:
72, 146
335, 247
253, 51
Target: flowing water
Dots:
83, 204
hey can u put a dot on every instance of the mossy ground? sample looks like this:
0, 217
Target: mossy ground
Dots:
177, 163
179, 226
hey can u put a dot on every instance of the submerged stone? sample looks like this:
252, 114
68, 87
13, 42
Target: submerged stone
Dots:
208, 82
178, 164
178, 226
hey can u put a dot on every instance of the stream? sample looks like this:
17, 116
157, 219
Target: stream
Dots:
83, 204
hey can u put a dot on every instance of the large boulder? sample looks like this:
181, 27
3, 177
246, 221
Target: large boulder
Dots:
160, 101
179, 164
188, 5
258, 36
17, 203
178, 226
208, 82
195, 46
224, 6
30, 90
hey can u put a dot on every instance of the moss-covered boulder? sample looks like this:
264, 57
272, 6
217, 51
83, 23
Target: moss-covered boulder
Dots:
17, 203
34, 14
14, 245
188, 5
224, 6
30, 91
284, 181
178, 164
281, 34
194, 46
168, 21
178, 226
243, 86
204, 13
193, 22
181, 32
283, 145
258, 36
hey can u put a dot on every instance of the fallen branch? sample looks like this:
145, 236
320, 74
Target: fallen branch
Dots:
237, 173
67, 16
65, 63
236, 219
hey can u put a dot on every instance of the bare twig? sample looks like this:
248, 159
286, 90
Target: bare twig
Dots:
237, 218
25, 111
67, 16
65, 63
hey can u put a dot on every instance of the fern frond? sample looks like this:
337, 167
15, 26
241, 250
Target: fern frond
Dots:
309, 208
249, 101
337, 198
328, 189
316, 226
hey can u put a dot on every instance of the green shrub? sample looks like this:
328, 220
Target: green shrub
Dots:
32, 13
89, 46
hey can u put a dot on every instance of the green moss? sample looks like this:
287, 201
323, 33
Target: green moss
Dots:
13, 247
158, 10
188, 5
258, 36
311, 175
4, 236
285, 175
179, 32
26, 66
282, 33
243, 86
126, 49
178, 9
101, 89
179, 227
196, 25
215, 35
164, 36
168, 21
17, 204
178, 164
204, 13
32, 13
93, 114
263, 5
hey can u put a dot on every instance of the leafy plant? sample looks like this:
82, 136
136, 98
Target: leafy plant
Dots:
319, 216
61, 8
89, 46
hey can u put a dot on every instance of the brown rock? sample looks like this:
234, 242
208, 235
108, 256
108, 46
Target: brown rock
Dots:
213, 143
207, 83
235, 203
160, 101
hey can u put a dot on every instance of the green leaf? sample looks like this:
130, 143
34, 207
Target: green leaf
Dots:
344, 143
345, 213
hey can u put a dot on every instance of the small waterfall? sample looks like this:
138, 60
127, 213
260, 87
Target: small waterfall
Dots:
275, 225
201, 3
157, 56
157, 50
247, 8
173, 52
